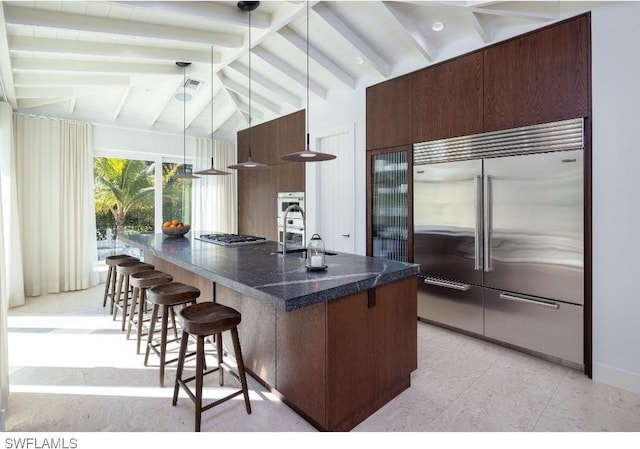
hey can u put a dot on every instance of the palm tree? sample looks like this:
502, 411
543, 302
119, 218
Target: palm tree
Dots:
122, 185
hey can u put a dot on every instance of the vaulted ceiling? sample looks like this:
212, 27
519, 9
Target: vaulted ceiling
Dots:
115, 62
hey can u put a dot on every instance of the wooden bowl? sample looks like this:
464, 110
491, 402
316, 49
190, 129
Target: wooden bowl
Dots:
176, 232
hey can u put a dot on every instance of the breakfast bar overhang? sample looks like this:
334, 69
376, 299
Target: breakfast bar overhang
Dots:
334, 345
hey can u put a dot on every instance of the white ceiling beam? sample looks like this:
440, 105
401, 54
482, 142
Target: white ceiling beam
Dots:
226, 13
43, 92
28, 103
91, 67
256, 98
480, 28
21, 44
57, 20
412, 30
123, 98
153, 114
60, 79
290, 71
71, 104
353, 39
301, 44
7, 89
243, 107
267, 83
517, 11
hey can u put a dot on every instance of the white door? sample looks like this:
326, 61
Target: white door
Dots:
336, 192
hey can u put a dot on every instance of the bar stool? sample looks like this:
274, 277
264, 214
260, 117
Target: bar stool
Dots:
203, 320
140, 282
110, 284
123, 271
166, 296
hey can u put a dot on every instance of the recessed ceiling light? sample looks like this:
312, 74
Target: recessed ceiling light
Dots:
358, 60
437, 26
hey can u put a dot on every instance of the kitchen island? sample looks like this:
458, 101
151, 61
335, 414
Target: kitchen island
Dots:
335, 345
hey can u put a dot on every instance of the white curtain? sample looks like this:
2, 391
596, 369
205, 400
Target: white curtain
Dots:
54, 168
214, 197
11, 283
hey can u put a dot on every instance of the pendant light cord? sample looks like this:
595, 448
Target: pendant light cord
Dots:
184, 119
307, 114
250, 130
212, 96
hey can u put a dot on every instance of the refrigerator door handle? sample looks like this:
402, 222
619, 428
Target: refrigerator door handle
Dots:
487, 223
447, 284
478, 224
529, 300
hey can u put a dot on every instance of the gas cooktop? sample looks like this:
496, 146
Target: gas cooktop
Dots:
231, 239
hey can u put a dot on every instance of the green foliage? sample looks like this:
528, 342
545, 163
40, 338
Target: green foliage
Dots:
124, 195
124, 187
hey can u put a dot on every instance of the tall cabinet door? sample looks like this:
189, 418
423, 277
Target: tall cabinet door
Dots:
388, 194
534, 232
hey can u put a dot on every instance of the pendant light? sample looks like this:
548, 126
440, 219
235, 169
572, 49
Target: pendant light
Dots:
184, 174
249, 164
307, 155
212, 171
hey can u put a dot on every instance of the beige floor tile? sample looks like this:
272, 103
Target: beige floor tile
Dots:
72, 369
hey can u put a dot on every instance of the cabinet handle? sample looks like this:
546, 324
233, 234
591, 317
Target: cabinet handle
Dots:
477, 256
447, 284
487, 224
529, 300
346, 235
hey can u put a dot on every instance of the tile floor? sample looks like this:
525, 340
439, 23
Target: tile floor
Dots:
72, 369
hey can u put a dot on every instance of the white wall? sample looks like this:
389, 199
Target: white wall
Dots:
135, 141
616, 194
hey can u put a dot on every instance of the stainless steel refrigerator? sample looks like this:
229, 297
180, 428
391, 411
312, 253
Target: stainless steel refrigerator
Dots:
498, 234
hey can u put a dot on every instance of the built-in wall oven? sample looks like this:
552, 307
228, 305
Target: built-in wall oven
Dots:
295, 234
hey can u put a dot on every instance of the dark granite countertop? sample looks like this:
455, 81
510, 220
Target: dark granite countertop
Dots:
258, 271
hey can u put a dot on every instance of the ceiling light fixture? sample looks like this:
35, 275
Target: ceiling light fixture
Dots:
307, 155
184, 174
249, 164
437, 26
212, 171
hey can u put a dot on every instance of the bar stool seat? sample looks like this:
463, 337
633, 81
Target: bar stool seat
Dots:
110, 284
202, 320
164, 298
123, 271
140, 282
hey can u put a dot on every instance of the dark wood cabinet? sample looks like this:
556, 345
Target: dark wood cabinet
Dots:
540, 77
448, 99
258, 189
361, 355
379, 353
291, 135
389, 112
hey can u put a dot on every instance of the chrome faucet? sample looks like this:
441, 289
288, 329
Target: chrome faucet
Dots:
293, 207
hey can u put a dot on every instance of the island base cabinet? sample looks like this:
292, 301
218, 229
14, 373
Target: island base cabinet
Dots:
300, 363
334, 363
256, 333
372, 350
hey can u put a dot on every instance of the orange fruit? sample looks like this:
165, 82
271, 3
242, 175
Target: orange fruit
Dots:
174, 222
172, 225
166, 224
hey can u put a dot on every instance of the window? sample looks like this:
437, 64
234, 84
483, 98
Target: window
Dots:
124, 199
176, 197
131, 196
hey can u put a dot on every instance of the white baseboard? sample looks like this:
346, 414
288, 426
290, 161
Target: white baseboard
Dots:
616, 377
